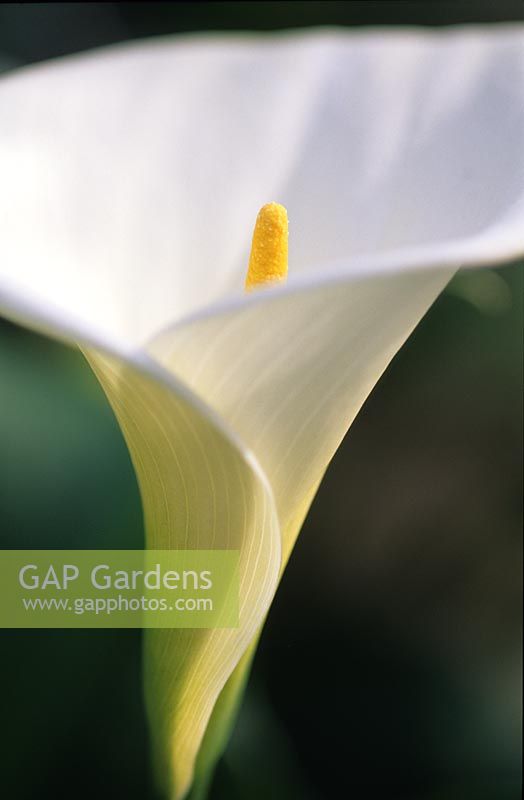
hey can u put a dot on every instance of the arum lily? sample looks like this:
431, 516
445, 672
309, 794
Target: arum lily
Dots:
130, 179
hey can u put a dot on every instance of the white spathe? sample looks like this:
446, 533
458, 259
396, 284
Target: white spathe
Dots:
130, 179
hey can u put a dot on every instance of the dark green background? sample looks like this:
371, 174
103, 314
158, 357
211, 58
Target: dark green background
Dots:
389, 665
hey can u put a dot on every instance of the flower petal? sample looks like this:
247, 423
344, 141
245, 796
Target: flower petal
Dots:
130, 177
289, 374
416, 142
199, 492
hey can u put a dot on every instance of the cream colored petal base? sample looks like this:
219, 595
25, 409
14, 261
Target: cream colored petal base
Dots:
198, 492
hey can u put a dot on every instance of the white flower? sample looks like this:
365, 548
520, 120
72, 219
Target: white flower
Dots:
129, 182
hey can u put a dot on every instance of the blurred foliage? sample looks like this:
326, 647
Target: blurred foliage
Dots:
390, 664
29, 32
